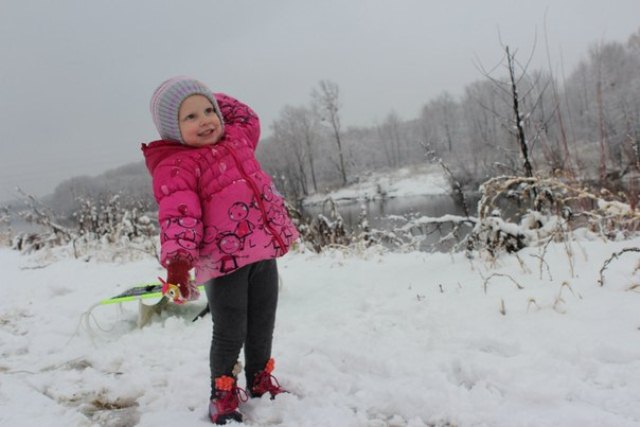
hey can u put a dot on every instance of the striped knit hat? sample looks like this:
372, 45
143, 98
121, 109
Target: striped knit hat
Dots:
166, 101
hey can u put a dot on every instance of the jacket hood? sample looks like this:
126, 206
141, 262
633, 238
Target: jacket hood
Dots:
156, 151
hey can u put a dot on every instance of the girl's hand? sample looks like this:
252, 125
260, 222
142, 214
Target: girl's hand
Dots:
178, 287
179, 294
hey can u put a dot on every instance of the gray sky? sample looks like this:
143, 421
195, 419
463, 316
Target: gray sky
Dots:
76, 76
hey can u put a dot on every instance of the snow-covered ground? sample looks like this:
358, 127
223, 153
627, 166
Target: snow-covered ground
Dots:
361, 340
408, 181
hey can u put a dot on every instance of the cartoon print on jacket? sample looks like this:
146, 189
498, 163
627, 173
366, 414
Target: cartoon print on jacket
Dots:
277, 220
238, 212
184, 231
210, 233
229, 244
216, 206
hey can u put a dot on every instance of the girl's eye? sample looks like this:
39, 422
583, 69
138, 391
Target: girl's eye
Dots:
210, 110
189, 117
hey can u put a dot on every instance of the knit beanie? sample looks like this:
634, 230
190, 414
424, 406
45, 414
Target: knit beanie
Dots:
166, 102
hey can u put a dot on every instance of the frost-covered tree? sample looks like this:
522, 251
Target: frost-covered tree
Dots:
327, 104
482, 143
603, 98
443, 122
393, 140
131, 181
297, 129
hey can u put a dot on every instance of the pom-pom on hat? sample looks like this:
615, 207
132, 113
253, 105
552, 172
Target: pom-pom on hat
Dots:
166, 102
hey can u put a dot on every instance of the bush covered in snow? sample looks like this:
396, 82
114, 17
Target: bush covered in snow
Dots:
106, 229
515, 212
5, 226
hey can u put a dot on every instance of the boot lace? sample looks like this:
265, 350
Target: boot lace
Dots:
265, 382
228, 395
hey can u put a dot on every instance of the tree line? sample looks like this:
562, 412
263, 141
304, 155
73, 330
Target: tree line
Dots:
583, 126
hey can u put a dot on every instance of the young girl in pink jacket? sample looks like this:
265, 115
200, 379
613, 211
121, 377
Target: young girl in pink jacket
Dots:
220, 214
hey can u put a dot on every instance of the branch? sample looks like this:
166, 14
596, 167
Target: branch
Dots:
611, 259
486, 281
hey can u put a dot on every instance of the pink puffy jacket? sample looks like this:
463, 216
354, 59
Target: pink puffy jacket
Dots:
216, 206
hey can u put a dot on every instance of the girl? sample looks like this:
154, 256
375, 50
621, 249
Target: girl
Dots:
220, 214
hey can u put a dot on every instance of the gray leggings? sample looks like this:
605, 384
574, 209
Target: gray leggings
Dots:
243, 308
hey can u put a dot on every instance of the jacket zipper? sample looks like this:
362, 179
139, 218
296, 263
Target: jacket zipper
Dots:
257, 194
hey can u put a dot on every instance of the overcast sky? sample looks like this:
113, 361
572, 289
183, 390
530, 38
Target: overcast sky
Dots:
76, 76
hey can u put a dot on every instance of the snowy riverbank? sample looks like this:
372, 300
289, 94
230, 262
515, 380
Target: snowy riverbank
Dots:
375, 340
415, 181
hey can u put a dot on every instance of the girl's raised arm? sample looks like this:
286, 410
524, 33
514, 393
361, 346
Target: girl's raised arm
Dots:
239, 119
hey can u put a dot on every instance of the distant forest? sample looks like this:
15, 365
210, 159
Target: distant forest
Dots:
583, 126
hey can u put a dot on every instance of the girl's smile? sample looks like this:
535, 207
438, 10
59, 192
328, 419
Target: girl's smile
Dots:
199, 123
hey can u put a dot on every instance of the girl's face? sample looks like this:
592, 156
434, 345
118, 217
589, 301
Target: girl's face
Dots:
199, 123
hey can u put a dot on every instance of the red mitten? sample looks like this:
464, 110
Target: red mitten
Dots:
178, 285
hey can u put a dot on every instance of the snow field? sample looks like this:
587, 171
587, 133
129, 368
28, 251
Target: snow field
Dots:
361, 340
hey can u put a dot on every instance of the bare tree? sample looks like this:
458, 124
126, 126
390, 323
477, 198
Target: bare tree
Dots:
518, 117
296, 129
603, 92
391, 139
566, 163
294, 152
305, 125
482, 144
634, 42
327, 104
446, 109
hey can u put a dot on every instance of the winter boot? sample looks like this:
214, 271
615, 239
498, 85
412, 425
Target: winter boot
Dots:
224, 405
264, 382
